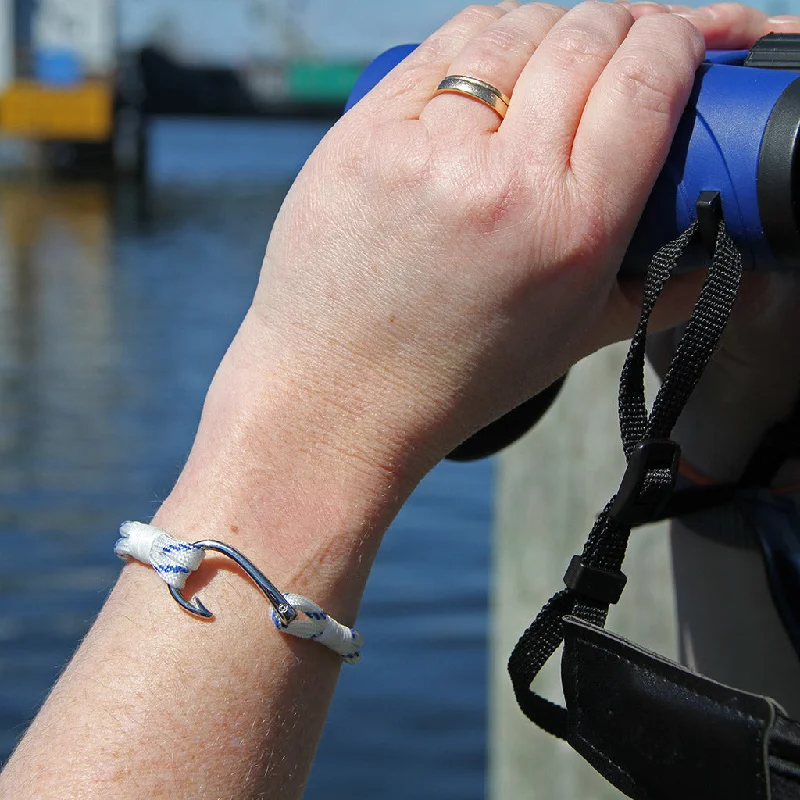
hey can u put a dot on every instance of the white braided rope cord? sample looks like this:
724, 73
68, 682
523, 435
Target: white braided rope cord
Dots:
174, 560
321, 628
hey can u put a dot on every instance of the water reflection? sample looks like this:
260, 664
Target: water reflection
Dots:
109, 335
56, 342
110, 331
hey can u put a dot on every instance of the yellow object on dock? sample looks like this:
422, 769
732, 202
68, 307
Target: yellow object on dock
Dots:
76, 113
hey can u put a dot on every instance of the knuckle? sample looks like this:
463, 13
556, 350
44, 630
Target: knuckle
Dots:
591, 32
581, 41
549, 8
555, 13
486, 64
488, 53
646, 85
532, 15
530, 23
471, 195
605, 13
659, 66
492, 205
451, 38
397, 165
478, 12
439, 47
692, 35
499, 40
672, 36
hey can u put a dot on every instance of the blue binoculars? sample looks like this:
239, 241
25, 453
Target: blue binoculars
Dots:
738, 138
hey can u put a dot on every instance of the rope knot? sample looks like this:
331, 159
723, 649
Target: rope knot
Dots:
171, 558
321, 628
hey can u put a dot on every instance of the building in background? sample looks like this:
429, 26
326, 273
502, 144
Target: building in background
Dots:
233, 32
83, 31
75, 72
6, 43
59, 83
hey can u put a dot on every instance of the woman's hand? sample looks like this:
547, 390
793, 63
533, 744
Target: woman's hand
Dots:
433, 266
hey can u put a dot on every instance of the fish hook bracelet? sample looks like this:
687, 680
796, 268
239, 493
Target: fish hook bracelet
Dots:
174, 560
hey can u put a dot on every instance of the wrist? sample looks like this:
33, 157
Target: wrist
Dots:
298, 481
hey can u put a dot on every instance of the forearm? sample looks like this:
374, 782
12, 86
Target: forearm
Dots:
158, 703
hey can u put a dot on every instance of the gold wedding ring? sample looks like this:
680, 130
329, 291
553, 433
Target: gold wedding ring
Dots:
478, 89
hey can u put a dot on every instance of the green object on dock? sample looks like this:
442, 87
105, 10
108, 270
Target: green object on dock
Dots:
322, 81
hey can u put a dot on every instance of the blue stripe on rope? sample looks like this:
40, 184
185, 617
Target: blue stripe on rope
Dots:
169, 568
182, 546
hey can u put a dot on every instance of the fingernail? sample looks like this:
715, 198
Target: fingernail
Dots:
784, 19
680, 9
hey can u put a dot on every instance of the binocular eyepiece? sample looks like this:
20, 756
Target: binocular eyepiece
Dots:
738, 137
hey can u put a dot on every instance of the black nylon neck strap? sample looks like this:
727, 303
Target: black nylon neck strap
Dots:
594, 579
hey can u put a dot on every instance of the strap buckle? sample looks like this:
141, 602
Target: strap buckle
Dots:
648, 482
594, 583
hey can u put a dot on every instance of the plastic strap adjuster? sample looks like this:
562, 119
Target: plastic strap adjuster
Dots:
648, 482
594, 583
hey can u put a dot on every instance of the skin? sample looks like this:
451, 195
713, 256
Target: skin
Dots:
430, 269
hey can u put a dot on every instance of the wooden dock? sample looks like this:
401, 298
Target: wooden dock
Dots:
550, 486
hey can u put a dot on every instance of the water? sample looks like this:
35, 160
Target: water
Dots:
110, 330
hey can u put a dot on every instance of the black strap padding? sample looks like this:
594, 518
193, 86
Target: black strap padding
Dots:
784, 759
607, 542
659, 731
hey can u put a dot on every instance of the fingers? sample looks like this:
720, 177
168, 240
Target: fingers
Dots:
496, 55
630, 117
552, 90
725, 26
406, 90
732, 26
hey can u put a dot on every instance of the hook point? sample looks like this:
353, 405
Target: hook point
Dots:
198, 609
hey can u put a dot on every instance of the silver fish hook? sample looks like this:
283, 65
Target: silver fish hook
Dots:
283, 608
